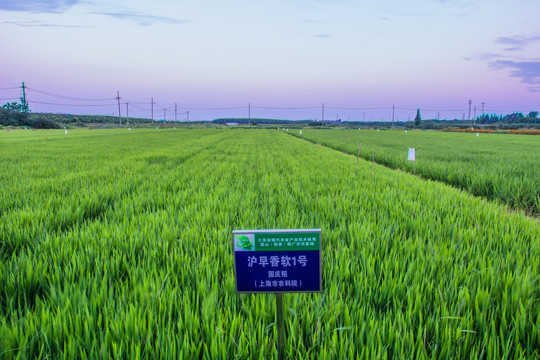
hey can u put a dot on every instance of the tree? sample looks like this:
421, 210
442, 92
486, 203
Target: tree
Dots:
418, 118
13, 107
14, 114
516, 117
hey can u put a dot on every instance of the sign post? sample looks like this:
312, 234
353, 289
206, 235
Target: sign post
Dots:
277, 261
280, 323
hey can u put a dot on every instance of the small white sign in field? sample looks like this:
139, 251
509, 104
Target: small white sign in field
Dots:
412, 154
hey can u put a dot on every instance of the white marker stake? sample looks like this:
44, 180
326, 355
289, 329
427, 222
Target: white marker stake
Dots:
412, 154
300, 132
65, 131
129, 129
156, 127
412, 157
287, 130
477, 134
405, 131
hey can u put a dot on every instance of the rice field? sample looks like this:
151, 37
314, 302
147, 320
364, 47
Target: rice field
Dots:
118, 244
500, 167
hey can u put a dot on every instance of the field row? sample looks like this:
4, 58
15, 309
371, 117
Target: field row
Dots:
497, 166
119, 244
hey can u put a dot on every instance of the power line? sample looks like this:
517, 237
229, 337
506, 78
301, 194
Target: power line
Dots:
161, 107
81, 102
358, 108
285, 108
138, 107
435, 110
135, 102
68, 97
222, 108
48, 103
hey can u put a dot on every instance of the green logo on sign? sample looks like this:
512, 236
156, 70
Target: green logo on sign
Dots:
244, 242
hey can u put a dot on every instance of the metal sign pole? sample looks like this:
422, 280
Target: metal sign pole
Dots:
280, 327
276, 262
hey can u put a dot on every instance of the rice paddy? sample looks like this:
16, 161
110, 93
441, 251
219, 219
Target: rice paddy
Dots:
500, 167
118, 244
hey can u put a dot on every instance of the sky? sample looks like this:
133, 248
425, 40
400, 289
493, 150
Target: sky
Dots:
364, 60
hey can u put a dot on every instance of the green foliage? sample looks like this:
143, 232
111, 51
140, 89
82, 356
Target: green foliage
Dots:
17, 118
15, 107
11, 115
418, 118
498, 166
117, 244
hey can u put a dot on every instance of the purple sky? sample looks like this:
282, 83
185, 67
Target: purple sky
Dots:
359, 58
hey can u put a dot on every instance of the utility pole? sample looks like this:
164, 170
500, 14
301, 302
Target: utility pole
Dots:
249, 113
152, 102
164, 114
175, 111
119, 113
470, 102
393, 109
322, 118
127, 112
23, 99
482, 108
187, 116
475, 112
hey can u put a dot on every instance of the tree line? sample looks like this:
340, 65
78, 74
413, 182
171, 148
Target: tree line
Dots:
17, 114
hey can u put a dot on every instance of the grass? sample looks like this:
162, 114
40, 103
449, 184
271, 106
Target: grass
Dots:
117, 244
500, 167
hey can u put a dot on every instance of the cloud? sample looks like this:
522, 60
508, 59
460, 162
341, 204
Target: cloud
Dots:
313, 21
489, 56
517, 42
37, 6
463, 5
527, 71
40, 24
141, 19
510, 59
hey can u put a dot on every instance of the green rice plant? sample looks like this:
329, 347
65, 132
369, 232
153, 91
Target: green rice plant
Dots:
502, 167
118, 244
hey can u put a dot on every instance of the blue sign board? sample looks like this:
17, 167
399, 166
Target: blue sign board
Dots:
277, 261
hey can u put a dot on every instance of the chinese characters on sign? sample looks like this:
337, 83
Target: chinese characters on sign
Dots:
277, 260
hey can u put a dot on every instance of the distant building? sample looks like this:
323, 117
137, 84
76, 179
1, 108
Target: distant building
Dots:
231, 123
